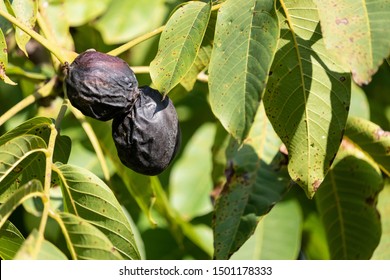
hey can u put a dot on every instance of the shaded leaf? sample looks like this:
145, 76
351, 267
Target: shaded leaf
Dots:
88, 197
10, 241
347, 205
4, 60
16, 150
179, 45
371, 139
244, 46
85, 240
382, 252
125, 20
190, 180
46, 250
277, 236
314, 243
26, 12
31, 189
356, 32
307, 96
255, 181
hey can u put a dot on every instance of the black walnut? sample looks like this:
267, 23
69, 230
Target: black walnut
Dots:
101, 86
148, 137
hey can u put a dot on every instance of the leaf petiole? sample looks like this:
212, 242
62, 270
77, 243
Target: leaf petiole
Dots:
61, 54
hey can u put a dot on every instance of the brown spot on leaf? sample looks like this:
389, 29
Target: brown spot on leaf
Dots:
316, 185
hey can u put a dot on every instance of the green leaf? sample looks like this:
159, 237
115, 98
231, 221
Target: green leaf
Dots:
179, 45
28, 163
356, 32
13, 152
31, 189
4, 60
255, 181
244, 47
371, 139
190, 179
382, 251
88, 197
277, 237
26, 12
347, 205
202, 60
46, 250
55, 17
307, 96
10, 241
36, 126
79, 12
86, 241
125, 20
360, 106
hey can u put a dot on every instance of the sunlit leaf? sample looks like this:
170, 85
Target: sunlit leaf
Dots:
16, 150
360, 106
255, 181
26, 12
10, 241
347, 205
277, 236
88, 197
307, 96
356, 32
85, 240
45, 250
372, 139
179, 45
31, 189
244, 46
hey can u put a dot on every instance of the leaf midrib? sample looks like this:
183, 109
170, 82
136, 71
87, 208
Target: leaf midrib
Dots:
301, 72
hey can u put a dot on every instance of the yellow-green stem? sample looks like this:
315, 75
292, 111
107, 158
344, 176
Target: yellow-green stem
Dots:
58, 219
142, 38
136, 41
61, 54
46, 188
